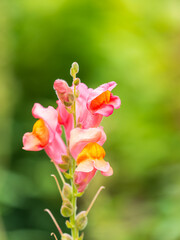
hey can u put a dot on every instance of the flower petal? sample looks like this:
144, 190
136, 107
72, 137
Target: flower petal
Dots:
115, 101
79, 138
96, 92
65, 119
85, 166
82, 179
108, 173
101, 165
56, 148
49, 115
31, 142
105, 110
101, 100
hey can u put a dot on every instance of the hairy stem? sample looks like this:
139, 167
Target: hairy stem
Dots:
74, 230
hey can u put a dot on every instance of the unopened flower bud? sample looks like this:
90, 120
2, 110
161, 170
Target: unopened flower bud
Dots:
74, 69
67, 191
81, 220
76, 81
64, 92
67, 208
66, 236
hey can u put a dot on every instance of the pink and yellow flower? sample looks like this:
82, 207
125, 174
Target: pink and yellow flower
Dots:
102, 101
46, 134
85, 147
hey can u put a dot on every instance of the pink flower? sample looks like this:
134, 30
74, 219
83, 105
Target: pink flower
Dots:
82, 179
102, 101
85, 147
46, 133
89, 161
84, 117
65, 119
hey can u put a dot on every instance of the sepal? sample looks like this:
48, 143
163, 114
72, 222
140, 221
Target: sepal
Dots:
81, 237
79, 194
67, 208
67, 191
81, 220
66, 236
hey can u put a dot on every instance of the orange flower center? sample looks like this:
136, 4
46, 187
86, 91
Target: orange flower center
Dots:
41, 132
91, 151
103, 98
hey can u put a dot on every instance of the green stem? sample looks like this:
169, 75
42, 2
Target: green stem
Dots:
74, 106
74, 230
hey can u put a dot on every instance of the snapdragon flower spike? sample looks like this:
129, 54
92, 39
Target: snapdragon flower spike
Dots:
46, 134
80, 111
102, 101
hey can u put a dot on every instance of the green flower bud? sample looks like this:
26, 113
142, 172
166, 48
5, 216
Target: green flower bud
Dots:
74, 69
67, 191
76, 81
81, 220
67, 208
66, 236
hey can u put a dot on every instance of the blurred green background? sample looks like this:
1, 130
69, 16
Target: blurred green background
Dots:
133, 42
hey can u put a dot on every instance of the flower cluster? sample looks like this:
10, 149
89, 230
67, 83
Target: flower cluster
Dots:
79, 111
